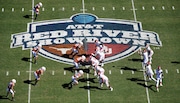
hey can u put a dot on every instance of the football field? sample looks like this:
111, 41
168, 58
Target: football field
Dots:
125, 75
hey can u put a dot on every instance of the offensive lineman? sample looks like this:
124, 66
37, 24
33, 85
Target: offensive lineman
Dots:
150, 72
103, 79
77, 62
10, 88
76, 76
150, 53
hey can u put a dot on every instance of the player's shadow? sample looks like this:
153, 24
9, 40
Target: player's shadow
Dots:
147, 86
67, 85
26, 59
136, 79
32, 82
130, 69
92, 88
136, 60
3, 97
141, 82
71, 69
28, 16
87, 79
175, 62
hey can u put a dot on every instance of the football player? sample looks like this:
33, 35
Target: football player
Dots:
150, 52
36, 9
103, 79
76, 76
150, 72
159, 77
35, 52
38, 73
75, 48
78, 60
10, 88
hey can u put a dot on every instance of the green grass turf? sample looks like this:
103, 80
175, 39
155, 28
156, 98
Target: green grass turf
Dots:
128, 87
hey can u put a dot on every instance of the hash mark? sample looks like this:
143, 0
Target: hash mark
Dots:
2, 9
143, 8
177, 71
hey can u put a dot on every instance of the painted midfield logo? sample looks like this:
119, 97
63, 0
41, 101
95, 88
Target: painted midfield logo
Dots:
122, 37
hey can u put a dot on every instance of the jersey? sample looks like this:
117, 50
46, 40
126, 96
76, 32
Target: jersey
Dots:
149, 70
159, 73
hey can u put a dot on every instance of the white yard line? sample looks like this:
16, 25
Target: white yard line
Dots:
30, 64
147, 92
89, 97
89, 100
134, 11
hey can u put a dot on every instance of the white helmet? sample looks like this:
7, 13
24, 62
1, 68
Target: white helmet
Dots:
81, 72
81, 42
13, 80
40, 4
83, 57
43, 68
39, 45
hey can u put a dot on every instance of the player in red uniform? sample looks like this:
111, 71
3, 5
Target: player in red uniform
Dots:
77, 61
76, 48
10, 88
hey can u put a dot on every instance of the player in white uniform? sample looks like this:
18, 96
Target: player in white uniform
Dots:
100, 55
94, 62
103, 79
10, 88
145, 57
150, 52
38, 73
35, 52
99, 70
150, 72
76, 76
36, 9
159, 76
